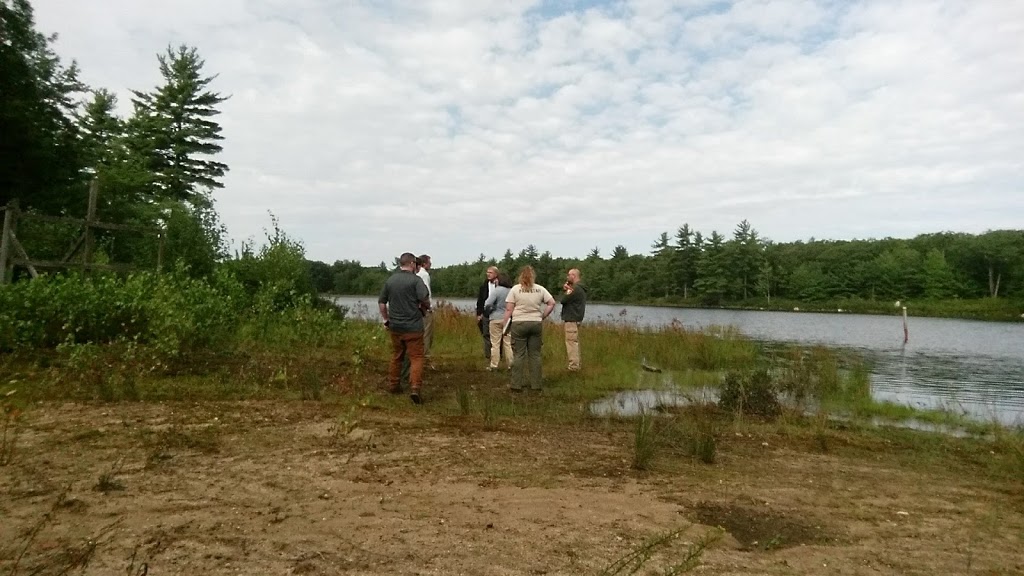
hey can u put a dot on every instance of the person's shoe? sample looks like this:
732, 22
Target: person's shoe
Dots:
415, 396
515, 390
394, 389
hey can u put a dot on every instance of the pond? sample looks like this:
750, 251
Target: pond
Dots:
971, 367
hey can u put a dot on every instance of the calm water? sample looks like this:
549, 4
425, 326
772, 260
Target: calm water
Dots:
962, 365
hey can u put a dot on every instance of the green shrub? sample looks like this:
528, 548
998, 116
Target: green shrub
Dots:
171, 312
750, 392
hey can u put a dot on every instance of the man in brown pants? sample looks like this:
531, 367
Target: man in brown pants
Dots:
403, 302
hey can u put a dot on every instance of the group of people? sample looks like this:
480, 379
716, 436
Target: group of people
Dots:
510, 318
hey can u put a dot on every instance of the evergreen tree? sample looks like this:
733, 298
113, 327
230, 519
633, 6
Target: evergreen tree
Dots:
688, 253
40, 160
173, 129
712, 281
100, 129
744, 258
663, 261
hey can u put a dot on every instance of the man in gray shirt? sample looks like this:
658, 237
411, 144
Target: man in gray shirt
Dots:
403, 302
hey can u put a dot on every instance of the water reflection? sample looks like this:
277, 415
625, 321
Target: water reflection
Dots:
636, 402
972, 367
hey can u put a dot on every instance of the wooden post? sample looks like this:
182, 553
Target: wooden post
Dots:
6, 264
906, 333
24, 255
90, 217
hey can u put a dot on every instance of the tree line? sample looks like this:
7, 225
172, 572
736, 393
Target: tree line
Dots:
688, 267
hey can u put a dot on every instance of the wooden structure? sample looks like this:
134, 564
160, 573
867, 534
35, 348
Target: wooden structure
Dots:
12, 253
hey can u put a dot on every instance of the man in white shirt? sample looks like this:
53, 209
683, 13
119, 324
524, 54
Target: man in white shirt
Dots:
423, 272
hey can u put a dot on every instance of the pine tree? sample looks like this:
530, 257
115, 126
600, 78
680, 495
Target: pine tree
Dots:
100, 129
173, 130
39, 150
712, 281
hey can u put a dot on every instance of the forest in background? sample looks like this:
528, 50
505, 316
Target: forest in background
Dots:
958, 274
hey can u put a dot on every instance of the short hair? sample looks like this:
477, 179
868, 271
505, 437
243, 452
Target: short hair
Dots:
424, 258
406, 258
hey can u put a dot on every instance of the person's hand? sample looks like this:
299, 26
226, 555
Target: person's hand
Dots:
387, 324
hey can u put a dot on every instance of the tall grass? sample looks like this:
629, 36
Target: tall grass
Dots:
645, 442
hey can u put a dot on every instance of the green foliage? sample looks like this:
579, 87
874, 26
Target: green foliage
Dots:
40, 156
195, 237
751, 392
176, 130
277, 275
172, 312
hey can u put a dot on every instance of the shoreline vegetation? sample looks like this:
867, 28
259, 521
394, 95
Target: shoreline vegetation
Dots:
121, 394
984, 309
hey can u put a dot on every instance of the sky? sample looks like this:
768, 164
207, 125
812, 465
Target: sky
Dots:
464, 127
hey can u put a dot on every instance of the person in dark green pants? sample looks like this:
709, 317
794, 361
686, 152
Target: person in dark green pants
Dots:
527, 305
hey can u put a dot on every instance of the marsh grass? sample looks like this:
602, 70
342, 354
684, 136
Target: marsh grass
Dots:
645, 442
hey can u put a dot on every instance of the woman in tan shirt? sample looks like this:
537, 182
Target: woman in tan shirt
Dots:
527, 305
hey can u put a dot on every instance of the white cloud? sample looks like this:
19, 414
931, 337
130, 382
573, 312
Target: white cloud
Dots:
457, 127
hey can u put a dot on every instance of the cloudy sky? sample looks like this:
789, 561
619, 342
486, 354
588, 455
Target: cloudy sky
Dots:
460, 127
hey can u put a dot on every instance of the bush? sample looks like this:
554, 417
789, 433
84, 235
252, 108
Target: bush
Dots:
750, 393
170, 312
277, 276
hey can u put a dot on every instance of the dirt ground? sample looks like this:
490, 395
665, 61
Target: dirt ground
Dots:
299, 488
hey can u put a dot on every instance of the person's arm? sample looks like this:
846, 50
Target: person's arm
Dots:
491, 302
548, 309
550, 305
509, 307
423, 294
382, 305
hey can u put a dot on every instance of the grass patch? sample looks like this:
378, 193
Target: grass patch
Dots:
645, 442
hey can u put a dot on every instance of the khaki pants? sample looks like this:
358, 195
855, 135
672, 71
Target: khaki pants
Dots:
428, 333
498, 342
572, 344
